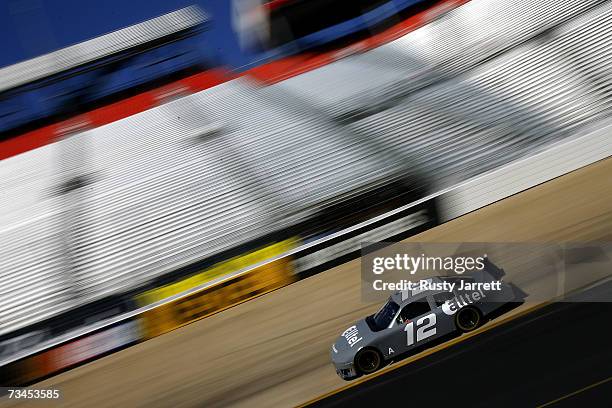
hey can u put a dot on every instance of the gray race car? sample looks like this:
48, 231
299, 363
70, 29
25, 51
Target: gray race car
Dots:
412, 320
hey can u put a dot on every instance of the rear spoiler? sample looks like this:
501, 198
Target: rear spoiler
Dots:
493, 270
496, 274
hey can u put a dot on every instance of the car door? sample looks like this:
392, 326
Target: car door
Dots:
414, 324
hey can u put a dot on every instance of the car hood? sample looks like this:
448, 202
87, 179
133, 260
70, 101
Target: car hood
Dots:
350, 341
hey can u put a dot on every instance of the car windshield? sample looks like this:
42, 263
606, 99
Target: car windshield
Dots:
384, 316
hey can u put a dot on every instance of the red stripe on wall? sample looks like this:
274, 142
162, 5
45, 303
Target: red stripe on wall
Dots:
113, 112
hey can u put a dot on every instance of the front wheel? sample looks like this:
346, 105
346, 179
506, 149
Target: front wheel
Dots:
468, 319
367, 361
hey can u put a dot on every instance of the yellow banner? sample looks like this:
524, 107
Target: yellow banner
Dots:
216, 271
219, 296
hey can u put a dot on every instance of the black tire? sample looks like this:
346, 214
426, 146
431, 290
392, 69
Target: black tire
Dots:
468, 319
368, 360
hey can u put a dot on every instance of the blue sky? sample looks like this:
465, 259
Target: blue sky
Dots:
33, 27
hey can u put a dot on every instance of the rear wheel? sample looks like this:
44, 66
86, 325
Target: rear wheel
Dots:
468, 319
368, 360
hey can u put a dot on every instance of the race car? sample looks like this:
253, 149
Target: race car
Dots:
415, 319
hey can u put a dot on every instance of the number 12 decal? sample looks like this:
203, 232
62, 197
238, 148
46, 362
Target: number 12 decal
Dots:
426, 327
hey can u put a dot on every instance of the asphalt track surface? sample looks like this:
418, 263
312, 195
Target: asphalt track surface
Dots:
558, 355
274, 350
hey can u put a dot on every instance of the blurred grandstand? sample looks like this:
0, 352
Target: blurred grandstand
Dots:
135, 168
104, 79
